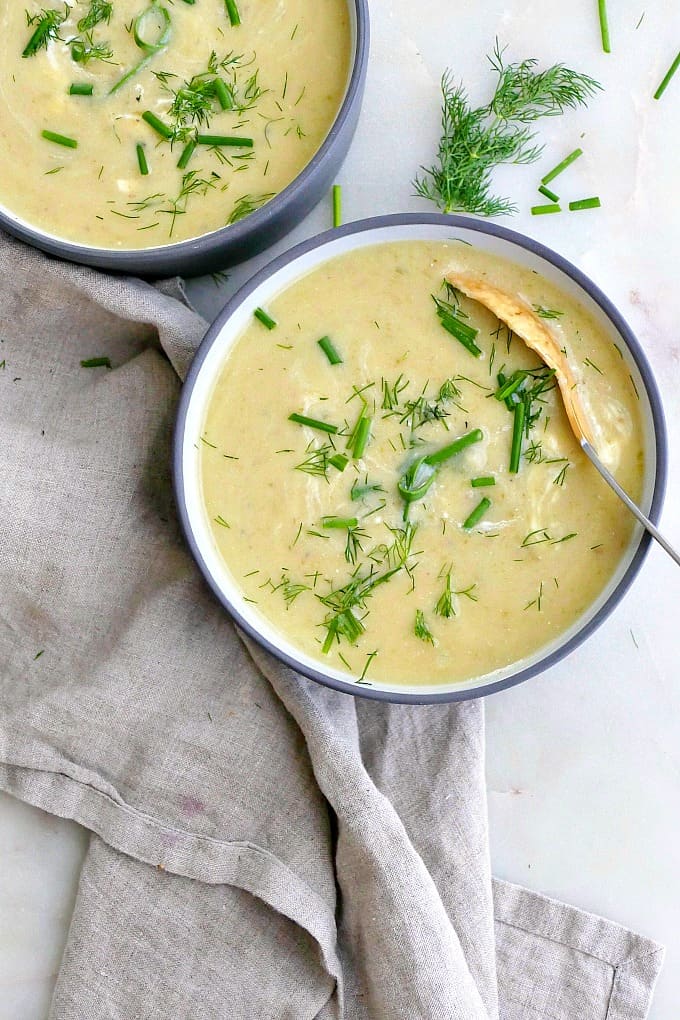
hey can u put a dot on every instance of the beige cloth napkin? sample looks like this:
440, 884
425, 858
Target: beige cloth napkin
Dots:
261, 847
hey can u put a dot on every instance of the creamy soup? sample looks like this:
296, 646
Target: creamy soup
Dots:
385, 528
132, 124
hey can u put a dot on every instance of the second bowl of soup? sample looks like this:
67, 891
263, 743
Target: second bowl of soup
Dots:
355, 486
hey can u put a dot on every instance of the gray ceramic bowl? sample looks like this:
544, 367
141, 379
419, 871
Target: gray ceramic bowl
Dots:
281, 273
244, 239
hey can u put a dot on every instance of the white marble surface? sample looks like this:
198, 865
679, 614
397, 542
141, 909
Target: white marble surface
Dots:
584, 762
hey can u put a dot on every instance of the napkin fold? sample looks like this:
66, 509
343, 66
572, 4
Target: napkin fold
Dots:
260, 847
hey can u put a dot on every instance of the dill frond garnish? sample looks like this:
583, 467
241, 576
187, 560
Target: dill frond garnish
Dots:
85, 49
100, 10
475, 141
421, 629
247, 204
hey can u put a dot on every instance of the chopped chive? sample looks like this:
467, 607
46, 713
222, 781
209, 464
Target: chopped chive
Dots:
585, 203
141, 159
339, 522
361, 438
549, 194
326, 345
96, 363
567, 161
509, 386
157, 124
604, 25
482, 481
313, 423
81, 88
232, 11
477, 514
543, 210
337, 205
667, 77
454, 325
218, 141
52, 136
187, 153
264, 318
446, 452
517, 432
339, 461
224, 96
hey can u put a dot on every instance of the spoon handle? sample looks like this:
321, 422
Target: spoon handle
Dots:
625, 498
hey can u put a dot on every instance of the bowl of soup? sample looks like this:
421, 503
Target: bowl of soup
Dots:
352, 482
153, 138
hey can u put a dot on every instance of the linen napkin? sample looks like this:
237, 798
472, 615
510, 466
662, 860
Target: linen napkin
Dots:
260, 847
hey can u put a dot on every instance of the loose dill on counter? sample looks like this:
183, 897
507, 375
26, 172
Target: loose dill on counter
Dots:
474, 141
47, 24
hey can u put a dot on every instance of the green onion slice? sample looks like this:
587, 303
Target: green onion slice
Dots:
517, 434
81, 88
337, 205
339, 522
543, 210
482, 481
151, 31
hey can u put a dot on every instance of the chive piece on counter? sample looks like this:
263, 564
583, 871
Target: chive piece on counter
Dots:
96, 363
141, 159
543, 210
326, 345
585, 203
517, 433
52, 136
361, 438
232, 11
219, 141
313, 423
604, 25
482, 481
667, 77
477, 514
567, 161
157, 124
224, 96
549, 194
187, 153
264, 318
337, 205
339, 461
81, 88
339, 522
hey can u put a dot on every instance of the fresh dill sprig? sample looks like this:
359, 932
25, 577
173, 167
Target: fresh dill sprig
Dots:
547, 313
445, 606
474, 141
100, 10
247, 204
47, 24
421, 629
